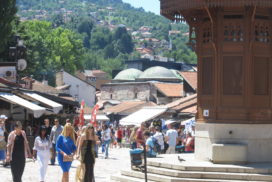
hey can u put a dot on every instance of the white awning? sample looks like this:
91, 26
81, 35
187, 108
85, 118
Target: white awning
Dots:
142, 115
98, 117
55, 106
38, 111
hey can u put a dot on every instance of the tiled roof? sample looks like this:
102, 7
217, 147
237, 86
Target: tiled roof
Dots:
68, 98
63, 87
181, 101
185, 105
40, 87
6, 83
170, 90
99, 73
95, 73
191, 78
89, 110
128, 107
136, 108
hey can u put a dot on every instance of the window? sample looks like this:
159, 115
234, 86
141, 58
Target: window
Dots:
262, 32
233, 32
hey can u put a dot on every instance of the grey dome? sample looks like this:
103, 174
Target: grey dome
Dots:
158, 72
128, 74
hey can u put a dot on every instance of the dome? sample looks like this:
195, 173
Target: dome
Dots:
158, 72
128, 74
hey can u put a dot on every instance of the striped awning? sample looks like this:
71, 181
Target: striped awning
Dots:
38, 111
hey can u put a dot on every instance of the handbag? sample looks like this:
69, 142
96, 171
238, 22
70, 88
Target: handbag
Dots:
68, 158
3, 145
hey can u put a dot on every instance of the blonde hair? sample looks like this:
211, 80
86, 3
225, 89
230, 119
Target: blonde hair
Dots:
66, 128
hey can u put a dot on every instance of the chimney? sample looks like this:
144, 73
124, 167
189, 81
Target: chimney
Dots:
59, 79
45, 82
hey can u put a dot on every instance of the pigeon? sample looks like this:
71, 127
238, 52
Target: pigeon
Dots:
180, 159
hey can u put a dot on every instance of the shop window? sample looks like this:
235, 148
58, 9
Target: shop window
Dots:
232, 75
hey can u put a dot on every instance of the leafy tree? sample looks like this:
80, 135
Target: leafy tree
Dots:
86, 26
125, 44
50, 49
7, 16
58, 20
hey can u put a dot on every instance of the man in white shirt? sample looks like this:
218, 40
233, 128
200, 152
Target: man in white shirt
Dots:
171, 138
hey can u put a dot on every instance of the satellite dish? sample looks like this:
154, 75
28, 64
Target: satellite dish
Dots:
21, 64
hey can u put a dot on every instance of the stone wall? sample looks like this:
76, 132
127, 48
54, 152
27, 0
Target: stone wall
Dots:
140, 91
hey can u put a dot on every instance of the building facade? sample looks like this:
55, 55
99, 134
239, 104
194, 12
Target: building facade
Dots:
79, 89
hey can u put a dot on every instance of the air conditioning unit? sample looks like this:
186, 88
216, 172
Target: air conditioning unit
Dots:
10, 75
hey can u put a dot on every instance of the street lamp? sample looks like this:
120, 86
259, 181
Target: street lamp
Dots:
18, 55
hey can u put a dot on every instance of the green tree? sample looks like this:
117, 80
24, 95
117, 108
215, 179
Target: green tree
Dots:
7, 16
50, 49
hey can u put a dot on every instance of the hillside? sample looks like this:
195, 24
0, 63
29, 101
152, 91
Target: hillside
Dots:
153, 36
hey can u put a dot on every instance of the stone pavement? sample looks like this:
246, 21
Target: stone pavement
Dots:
104, 168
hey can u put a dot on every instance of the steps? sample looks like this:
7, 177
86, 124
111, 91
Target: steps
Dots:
159, 171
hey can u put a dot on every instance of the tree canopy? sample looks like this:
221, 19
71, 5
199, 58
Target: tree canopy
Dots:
7, 16
50, 49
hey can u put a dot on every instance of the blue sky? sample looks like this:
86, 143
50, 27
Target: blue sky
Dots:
148, 5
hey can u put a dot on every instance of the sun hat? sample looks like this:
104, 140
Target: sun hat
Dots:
3, 116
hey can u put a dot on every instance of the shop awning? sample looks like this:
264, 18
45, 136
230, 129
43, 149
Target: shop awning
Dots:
54, 105
143, 115
38, 111
99, 117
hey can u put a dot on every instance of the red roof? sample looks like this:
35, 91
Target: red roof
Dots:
128, 107
191, 78
9, 83
185, 105
170, 90
181, 101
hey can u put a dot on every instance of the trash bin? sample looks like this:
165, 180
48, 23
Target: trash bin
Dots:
136, 157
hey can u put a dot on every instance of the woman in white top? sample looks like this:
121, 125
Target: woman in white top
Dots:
42, 147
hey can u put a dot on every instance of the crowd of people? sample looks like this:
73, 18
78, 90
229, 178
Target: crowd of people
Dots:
69, 142
64, 143
159, 140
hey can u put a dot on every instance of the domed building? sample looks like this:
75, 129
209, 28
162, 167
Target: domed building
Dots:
158, 73
128, 75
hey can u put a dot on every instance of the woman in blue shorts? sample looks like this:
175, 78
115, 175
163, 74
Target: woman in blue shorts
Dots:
65, 146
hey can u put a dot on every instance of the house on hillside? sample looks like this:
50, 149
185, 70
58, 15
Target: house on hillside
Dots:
79, 88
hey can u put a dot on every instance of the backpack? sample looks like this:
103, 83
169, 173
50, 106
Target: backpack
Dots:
157, 147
